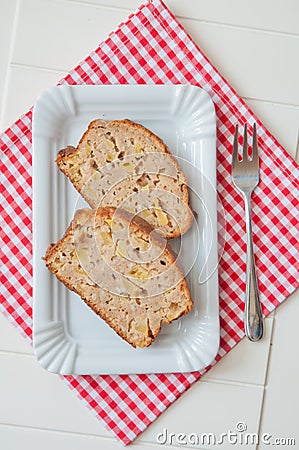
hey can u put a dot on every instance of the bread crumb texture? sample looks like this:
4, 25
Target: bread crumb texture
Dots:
123, 270
123, 164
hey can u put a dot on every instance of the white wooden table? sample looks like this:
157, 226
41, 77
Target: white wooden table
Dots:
255, 45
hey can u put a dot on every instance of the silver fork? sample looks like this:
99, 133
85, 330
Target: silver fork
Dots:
245, 175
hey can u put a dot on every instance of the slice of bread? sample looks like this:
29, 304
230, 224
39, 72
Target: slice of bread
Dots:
123, 270
123, 164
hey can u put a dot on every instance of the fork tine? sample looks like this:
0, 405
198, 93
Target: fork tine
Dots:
235, 148
255, 151
245, 146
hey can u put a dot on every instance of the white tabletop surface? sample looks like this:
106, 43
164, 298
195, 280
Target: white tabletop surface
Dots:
255, 45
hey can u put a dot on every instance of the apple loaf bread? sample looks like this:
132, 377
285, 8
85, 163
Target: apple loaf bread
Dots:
123, 164
123, 270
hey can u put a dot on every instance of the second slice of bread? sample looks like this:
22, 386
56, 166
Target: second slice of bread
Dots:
125, 272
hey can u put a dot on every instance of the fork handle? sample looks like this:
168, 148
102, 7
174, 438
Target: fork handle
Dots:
253, 318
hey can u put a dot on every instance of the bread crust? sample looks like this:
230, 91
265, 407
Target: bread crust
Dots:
137, 224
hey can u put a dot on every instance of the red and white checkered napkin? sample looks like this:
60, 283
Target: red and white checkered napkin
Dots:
152, 47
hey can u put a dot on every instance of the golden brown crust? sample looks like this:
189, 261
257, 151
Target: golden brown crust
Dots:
68, 151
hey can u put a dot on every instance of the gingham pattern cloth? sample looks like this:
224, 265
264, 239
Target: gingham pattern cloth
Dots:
152, 47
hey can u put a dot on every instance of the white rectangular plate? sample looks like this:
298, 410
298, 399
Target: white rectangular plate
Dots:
68, 336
